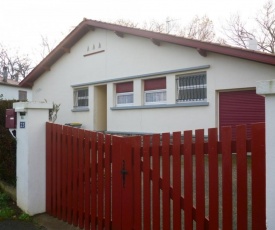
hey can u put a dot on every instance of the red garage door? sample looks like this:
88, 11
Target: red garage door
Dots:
241, 107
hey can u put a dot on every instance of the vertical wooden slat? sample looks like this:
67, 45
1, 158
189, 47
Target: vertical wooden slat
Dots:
87, 178
188, 180
146, 183
213, 179
70, 175
258, 177
156, 176
54, 172
227, 179
94, 181
200, 181
75, 177
176, 180
100, 180
80, 178
166, 180
137, 183
116, 183
127, 185
59, 170
49, 167
241, 177
64, 173
108, 182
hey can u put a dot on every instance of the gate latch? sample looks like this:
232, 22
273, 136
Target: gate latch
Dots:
123, 173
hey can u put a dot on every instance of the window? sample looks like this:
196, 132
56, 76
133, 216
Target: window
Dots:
155, 91
124, 94
22, 95
81, 97
191, 88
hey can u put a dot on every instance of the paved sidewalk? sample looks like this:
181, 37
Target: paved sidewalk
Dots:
50, 223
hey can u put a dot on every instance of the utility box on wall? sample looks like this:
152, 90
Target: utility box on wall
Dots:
10, 119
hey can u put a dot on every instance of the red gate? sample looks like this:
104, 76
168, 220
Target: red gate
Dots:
98, 181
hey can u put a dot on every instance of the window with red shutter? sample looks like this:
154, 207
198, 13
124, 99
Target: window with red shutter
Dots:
124, 94
155, 91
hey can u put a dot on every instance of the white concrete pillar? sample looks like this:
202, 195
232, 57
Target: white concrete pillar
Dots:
31, 155
267, 89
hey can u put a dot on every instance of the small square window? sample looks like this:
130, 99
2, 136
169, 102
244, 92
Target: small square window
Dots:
81, 97
191, 88
22, 95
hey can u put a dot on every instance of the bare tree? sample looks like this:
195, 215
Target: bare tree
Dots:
16, 67
200, 29
238, 32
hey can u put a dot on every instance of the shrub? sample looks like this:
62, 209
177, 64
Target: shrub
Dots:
7, 147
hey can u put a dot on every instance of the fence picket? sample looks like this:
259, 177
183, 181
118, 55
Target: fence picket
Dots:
155, 181
188, 180
200, 181
166, 180
108, 176
64, 163
87, 176
146, 183
258, 176
49, 177
54, 163
94, 181
100, 181
137, 183
75, 177
213, 179
176, 180
241, 177
70, 174
81, 178
227, 178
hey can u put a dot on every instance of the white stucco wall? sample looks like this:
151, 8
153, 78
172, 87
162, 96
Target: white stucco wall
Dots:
12, 92
134, 56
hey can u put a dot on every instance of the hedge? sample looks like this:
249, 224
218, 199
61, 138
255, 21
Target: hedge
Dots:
7, 147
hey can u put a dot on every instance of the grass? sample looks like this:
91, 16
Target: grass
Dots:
9, 209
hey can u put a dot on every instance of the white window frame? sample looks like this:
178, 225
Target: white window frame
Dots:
164, 97
124, 94
77, 98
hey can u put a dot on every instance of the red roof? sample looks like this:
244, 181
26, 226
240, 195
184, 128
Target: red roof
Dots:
89, 25
9, 82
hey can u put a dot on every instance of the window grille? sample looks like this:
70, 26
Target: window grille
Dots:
124, 99
191, 88
81, 97
155, 97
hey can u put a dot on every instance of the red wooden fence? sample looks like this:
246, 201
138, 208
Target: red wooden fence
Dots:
98, 181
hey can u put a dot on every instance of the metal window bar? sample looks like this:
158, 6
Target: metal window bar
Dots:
191, 88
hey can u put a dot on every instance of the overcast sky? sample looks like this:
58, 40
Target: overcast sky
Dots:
23, 22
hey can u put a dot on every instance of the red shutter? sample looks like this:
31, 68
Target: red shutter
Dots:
156, 83
241, 107
124, 87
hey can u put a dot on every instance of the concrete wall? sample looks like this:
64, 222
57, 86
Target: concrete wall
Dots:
12, 92
134, 56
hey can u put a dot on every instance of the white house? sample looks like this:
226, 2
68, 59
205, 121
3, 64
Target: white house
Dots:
10, 90
121, 79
